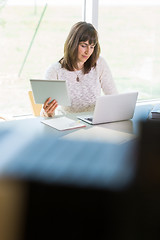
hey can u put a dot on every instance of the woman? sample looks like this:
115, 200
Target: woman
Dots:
84, 71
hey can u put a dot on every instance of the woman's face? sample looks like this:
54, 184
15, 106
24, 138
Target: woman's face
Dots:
85, 50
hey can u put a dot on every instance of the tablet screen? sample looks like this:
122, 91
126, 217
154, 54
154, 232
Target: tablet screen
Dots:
56, 89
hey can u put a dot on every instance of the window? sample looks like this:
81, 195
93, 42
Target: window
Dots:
130, 41
32, 37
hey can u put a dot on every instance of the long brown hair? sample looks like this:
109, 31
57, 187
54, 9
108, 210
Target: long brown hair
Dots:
80, 32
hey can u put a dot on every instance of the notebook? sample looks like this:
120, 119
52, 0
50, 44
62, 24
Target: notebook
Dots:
112, 108
56, 89
63, 123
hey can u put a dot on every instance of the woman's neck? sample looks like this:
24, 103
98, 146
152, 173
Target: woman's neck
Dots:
79, 66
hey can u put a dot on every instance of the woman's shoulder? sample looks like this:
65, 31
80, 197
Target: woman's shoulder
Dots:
101, 61
52, 70
55, 66
102, 64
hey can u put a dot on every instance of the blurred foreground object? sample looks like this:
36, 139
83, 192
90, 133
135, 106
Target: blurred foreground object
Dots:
12, 207
85, 190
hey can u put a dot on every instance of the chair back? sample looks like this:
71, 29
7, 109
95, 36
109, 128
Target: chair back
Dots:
36, 108
2, 118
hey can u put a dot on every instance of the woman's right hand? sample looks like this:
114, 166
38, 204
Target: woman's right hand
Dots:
49, 107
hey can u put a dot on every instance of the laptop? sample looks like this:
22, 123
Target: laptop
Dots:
56, 89
112, 108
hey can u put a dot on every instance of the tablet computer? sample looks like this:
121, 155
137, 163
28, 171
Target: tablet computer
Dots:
56, 89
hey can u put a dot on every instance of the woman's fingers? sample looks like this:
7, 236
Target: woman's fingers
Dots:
50, 107
46, 103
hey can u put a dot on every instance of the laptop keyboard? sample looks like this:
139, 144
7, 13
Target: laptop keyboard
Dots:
89, 119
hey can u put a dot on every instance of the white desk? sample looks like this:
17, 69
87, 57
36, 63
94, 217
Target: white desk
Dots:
112, 132
16, 135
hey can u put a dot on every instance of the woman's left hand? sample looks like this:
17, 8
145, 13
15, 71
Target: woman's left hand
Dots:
50, 106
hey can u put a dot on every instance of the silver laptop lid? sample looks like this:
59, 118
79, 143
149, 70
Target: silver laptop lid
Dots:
111, 108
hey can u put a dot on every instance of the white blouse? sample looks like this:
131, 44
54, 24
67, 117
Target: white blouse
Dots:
83, 93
